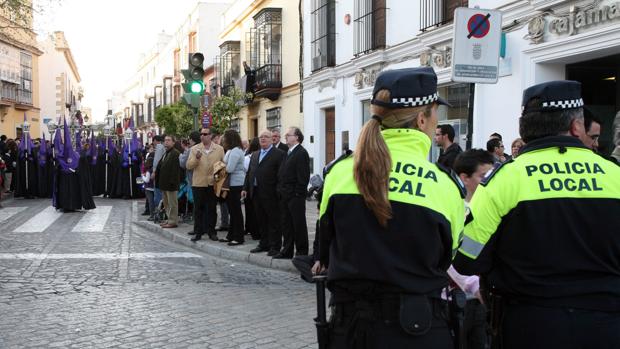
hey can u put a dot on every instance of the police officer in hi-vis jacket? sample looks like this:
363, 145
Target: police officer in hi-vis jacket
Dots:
545, 232
389, 222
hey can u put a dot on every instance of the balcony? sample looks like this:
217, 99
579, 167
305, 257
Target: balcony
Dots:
435, 13
265, 54
8, 94
24, 100
268, 81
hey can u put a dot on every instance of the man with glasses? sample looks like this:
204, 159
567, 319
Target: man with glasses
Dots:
260, 186
593, 130
201, 159
496, 148
293, 179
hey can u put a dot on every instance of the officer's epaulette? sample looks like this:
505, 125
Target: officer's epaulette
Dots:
492, 173
453, 176
329, 166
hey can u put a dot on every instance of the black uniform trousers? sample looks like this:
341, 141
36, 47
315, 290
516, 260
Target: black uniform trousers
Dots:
251, 223
536, 327
294, 228
475, 325
205, 204
377, 326
267, 213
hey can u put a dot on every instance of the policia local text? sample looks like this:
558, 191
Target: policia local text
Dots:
569, 184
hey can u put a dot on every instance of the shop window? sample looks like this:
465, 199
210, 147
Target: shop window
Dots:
458, 115
323, 34
365, 111
435, 13
369, 24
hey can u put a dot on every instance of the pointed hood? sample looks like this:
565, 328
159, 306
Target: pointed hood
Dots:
43, 152
93, 148
70, 158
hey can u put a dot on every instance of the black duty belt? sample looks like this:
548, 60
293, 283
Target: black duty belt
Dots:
415, 314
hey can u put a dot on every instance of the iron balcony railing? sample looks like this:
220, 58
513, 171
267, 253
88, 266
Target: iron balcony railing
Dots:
268, 76
8, 91
435, 13
24, 97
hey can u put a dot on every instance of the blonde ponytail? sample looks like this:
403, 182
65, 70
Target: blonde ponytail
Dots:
372, 166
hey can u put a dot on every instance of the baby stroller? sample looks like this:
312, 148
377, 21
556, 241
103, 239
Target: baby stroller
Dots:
160, 213
316, 182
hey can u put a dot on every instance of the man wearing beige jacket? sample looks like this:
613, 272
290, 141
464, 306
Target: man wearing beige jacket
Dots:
201, 159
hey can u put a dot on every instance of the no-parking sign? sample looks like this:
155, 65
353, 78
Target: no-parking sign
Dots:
475, 45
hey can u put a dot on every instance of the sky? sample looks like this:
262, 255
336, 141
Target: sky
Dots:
107, 37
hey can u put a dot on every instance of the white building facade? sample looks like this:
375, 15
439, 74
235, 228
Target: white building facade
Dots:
157, 80
543, 40
59, 75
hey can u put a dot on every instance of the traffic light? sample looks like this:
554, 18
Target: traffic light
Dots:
193, 86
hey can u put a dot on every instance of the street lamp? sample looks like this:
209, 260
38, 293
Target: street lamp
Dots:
128, 135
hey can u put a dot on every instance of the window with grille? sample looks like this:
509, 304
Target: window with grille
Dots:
323, 34
24, 92
273, 118
369, 25
434, 13
167, 91
234, 124
229, 65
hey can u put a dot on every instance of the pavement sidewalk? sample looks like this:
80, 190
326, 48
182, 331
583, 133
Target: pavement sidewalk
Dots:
221, 249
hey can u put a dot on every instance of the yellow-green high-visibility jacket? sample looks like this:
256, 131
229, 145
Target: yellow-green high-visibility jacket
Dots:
545, 228
413, 253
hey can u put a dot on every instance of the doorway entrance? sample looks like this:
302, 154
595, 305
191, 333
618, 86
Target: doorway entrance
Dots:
601, 92
330, 134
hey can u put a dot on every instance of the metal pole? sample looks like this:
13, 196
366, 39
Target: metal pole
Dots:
130, 176
321, 319
26, 158
107, 141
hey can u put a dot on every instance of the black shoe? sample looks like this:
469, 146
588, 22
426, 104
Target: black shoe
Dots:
272, 253
196, 238
191, 233
282, 256
235, 243
259, 249
145, 213
223, 240
213, 237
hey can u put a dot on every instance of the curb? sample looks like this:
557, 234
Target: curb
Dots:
217, 250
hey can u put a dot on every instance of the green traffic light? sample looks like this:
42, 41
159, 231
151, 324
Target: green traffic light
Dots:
197, 87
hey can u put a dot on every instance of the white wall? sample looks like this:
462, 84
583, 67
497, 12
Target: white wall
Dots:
402, 21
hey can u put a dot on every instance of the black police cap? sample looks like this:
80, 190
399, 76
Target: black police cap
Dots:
553, 95
409, 87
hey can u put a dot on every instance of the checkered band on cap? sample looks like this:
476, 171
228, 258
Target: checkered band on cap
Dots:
415, 101
567, 104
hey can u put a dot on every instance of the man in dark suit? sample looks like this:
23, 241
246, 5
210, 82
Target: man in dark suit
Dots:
168, 180
260, 186
275, 139
292, 186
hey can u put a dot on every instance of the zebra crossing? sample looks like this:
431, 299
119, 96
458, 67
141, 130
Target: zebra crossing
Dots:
92, 221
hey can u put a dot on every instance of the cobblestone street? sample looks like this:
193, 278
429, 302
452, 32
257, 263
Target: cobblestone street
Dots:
95, 280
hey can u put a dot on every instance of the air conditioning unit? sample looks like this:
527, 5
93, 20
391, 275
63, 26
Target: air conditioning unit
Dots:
319, 62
